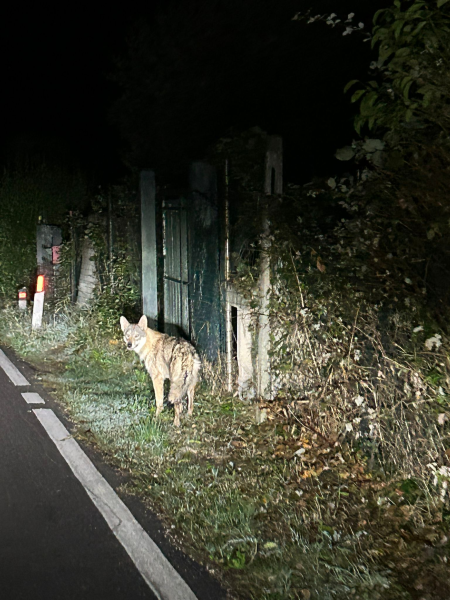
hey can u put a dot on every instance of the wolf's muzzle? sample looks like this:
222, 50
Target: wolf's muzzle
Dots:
129, 345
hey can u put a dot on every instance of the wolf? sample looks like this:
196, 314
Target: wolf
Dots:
165, 357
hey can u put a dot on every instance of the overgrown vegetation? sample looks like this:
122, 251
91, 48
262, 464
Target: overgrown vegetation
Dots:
30, 194
280, 508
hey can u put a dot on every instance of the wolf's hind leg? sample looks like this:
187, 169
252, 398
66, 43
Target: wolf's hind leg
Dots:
192, 385
175, 398
158, 386
190, 395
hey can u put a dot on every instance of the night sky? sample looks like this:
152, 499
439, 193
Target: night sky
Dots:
57, 93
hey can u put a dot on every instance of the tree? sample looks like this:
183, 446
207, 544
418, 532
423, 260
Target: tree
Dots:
413, 88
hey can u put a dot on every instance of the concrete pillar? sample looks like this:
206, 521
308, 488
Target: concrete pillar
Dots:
88, 276
273, 184
149, 248
244, 353
47, 238
273, 179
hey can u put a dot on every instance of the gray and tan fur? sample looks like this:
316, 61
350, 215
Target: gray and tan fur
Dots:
165, 357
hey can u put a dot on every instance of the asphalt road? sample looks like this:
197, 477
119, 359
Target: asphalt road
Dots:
54, 543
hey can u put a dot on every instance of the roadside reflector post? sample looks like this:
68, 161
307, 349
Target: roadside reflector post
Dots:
38, 305
22, 297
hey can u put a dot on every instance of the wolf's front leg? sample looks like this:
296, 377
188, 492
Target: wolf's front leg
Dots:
178, 410
158, 386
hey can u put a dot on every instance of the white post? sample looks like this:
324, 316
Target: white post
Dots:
273, 185
244, 353
38, 309
23, 298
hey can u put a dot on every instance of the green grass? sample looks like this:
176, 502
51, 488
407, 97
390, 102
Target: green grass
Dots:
270, 523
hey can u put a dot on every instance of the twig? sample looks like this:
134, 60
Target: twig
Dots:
303, 306
353, 335
310, 427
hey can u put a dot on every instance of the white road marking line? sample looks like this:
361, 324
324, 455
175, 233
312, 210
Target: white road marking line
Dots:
33, 398
160, 576
11, 370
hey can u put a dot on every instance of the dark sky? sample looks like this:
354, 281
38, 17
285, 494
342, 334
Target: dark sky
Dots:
55, 89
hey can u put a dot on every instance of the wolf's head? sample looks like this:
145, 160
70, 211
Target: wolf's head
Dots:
134, 336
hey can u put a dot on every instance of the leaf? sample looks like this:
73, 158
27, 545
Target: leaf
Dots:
372, 145
357, 95
350, 84
378, 14
270, 546
345, 153
397, 28
419, 27
359, 122
406, 90
367, 103
322, 268
401, 52
427, 98
332, 183
405, 80
415, 7
441, 3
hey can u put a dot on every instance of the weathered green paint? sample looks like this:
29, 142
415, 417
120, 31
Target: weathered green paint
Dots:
176, 267
204, 244
149, 247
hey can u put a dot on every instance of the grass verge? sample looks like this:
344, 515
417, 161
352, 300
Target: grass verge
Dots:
268, 504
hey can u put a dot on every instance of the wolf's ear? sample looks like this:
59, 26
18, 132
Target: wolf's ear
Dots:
123, 323
143, 322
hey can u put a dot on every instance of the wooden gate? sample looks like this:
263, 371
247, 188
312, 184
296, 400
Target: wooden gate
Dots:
176, 308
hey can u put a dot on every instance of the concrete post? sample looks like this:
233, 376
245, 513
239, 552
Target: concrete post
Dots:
273, 184
88, 276
149, 248
244, 353
47, 237
38, 310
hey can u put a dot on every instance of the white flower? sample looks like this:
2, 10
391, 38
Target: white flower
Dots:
359, 400
417, 329
433, 341
442, 417
348, 427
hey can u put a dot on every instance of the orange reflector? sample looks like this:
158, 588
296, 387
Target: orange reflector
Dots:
40, 283
22, 295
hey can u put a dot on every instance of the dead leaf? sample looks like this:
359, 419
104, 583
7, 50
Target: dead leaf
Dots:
322, 268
